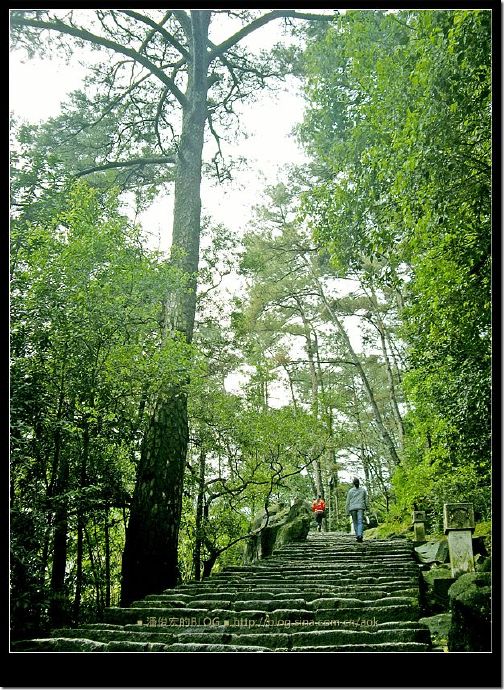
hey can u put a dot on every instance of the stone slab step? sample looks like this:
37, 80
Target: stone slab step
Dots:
206, 606
318, 568
326, 594
265, 637
233, 600
344, 578
385, 647
281, 626
195, 647
220, 616
85, 645
59, 644
378, 614
302, 557
286, 591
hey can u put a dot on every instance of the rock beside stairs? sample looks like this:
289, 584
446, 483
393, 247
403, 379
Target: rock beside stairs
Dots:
326, 594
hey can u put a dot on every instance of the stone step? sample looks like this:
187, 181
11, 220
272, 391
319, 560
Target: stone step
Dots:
326, 594
58, 644
279, 626
293, 589
346, 542
379, 613
86, 645
174, 616
194, 601
329, 562
329, 576
326, 556
277, 589
347, 545
386, 647
263, 637
195, 647
259, 604
324, 572
314, 579
336, 552
317, 638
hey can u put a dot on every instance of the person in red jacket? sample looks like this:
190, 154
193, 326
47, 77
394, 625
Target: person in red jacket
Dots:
318, 508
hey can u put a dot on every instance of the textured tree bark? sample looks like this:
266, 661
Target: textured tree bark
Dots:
150, 553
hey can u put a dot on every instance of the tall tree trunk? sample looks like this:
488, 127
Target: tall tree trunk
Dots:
96, 574
80, 523
58, 607
311, 347
291, 387
150, 552
380, 326
78, 576
58, 604
44, 559
199, 518
209, 563
150, 556
107, 556
312, 483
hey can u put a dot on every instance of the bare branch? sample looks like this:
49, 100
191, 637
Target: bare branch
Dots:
159, 160
157, 27
158, 117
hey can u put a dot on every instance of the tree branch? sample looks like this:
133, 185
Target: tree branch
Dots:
61, 27
261, 21
184, 22
157, 27
126, 164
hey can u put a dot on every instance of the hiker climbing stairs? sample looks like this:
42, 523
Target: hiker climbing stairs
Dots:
327, 594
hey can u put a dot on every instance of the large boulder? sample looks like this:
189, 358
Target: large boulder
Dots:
435, 551
470, 603
434, 586
282, 524
439, 626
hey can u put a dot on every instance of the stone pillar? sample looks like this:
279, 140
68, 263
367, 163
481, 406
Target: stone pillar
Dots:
458, 521
419, 525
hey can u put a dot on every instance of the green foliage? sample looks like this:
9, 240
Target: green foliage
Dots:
86, 366
253, 457
294, 323
400, 129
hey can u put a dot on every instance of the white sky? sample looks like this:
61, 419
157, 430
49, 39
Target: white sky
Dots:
38, 86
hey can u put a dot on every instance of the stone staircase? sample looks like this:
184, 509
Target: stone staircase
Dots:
327, 594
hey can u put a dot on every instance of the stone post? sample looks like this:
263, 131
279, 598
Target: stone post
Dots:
458, 521
419, 525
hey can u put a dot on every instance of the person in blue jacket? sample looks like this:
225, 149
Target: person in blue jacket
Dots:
356, 504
